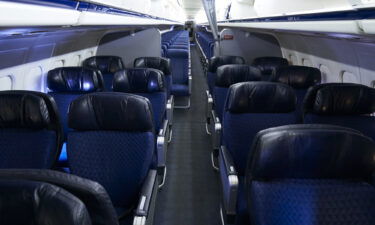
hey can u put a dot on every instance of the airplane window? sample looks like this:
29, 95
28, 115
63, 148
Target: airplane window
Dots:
77, 60
6, 83
293, 59
348, 77
34, 79
59, 63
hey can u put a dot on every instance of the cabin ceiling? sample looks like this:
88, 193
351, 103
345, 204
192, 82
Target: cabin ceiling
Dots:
191, 7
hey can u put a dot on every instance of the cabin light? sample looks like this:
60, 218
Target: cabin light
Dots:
86, 86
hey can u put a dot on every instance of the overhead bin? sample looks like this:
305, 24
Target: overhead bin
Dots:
71, 13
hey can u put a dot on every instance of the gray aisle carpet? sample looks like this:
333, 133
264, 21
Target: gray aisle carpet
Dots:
191, 194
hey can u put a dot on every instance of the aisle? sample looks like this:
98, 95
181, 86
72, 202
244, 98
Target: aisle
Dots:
191, 193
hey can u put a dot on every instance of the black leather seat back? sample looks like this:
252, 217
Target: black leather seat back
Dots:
36, 203
91, 193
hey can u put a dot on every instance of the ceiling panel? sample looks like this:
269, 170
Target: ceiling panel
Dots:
191, 7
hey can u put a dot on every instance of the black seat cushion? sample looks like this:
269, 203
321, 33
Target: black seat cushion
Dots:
111, 111
74, 79
91, 193
106, 64
298, 77
29, 202
231, 74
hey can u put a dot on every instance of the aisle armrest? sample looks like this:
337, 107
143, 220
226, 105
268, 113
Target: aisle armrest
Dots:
144, 214
229, 182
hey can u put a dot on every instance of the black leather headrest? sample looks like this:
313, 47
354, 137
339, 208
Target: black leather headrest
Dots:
162, 64
139, 80
231, 74
311, 152
111, 111
298, 77
92, 194
340, 99
217, 61
106, 64
269, 65
28, 109
74, 79
29, 202
260, 97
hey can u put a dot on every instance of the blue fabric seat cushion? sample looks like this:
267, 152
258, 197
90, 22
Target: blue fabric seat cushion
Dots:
27, 148
117, 160
239, 131
312, 202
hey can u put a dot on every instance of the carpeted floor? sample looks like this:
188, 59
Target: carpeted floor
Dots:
191, 194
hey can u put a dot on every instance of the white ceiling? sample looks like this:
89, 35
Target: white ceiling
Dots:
191, 7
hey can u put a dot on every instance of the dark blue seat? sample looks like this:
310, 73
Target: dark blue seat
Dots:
217, 61
300, 78
227, 75
30, 131
342, 104
269, 65
310, 174
107, 65
30, 202
250, 107
113, 143
68, 83
149, 83
162, 64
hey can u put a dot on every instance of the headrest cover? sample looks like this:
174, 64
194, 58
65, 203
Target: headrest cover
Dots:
74, 79
162, 64
25, 110
340, 99
111, 111
217, 61
269, 65
139, 80
311, 152
298, 77
231, 74
106, 64
260, 97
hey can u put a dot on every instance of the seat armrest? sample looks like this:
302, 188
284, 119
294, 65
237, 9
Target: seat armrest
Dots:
144, 214
169, 109
190, 82
215, 130
209, 106
229, 182
162, 143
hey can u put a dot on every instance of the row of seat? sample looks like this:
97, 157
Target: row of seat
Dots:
68, 83
112, 142
206, 43
244, 104
176, 47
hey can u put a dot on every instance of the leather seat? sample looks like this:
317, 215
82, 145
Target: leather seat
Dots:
29, 202
269, 65
217, 61
149, 83
300, 78
342, 104
30, 131
68, 83
107, 65
250, 107
92, 194
311, 174
227, 75
113, 144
